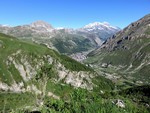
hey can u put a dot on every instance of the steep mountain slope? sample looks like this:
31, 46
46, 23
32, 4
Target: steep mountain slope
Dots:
64, 40
125, 57
29, 73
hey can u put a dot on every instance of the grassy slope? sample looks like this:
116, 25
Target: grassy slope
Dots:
88, 102
10, 45
125, 57
71, 44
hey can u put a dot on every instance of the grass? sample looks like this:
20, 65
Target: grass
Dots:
83, 101
15, 101
71, 44
59, 89
73, 65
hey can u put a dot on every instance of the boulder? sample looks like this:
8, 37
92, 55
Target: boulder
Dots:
120, 103
104, 65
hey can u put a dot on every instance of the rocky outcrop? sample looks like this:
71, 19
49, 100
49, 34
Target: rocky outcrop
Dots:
77, 79
50, 94
28, 72
15, 87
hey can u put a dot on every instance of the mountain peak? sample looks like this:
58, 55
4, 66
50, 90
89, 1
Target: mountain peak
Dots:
40, 22
98, 25
92, 24
41, 25
106, 23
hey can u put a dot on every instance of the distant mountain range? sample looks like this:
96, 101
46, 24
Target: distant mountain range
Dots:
65, 40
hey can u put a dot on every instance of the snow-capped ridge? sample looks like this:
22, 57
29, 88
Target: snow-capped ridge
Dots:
59, 28
99, 25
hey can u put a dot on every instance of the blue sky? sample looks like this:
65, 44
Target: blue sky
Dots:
73, 13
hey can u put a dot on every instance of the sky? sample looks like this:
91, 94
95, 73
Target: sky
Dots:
72, 13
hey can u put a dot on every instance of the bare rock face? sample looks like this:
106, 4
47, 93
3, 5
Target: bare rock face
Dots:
77, 79
15, 87
50, 94
41, 26
26, 70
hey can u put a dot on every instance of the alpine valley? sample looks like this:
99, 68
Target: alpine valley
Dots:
36, 76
